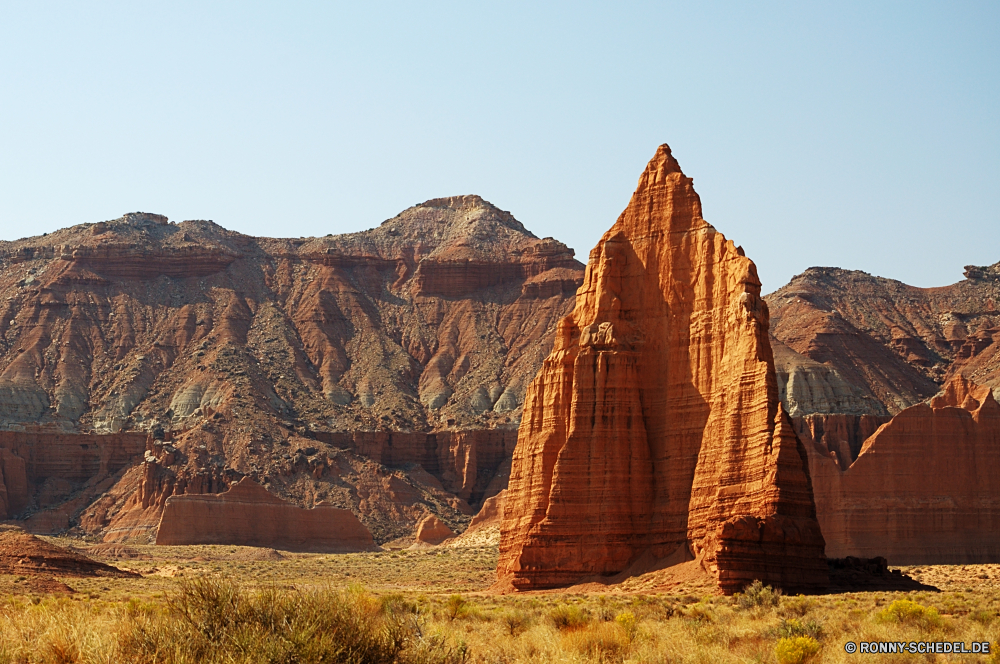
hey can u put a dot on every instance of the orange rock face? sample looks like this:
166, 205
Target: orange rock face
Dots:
925, 488
654, 427
431, 530
247, 514
839, 434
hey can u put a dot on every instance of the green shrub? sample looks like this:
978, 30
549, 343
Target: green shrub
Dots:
792, 628
796, 650
905, 611
984, 617
700, 612
757, 595
799, 605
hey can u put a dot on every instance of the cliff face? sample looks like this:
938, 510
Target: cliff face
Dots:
47, 477
248, 515
654, 427
925, 488
234, 349
888, 345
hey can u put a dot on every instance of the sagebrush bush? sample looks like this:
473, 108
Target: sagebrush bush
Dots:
700, 612
456, 607
799, 605
217, 621
796, 650
568, 616
794, 627
908, 612
515, 620
984, 617
757, 595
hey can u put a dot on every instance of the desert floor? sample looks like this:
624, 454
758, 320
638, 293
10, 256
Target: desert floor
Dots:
243, 604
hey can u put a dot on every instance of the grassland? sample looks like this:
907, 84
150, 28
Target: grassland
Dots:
237, 604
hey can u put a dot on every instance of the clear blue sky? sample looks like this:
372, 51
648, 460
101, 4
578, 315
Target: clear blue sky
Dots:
862, 135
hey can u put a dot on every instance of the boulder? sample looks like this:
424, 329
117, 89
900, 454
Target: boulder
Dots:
432, 530
654, 429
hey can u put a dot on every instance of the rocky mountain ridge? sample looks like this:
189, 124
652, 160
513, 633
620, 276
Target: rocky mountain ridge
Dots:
240, 356
853, 343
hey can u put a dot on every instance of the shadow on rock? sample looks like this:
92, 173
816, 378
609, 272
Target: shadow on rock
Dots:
852, 574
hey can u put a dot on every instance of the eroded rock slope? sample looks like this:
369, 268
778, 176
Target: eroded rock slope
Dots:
239, 356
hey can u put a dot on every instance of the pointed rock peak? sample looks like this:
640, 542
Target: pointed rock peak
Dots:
960, 392
659, 168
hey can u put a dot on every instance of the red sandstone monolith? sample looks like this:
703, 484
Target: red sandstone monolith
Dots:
654, 427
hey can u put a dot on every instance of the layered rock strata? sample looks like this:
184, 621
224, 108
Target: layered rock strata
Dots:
654, 428
925, 488
840, 435
46, 476
422, 334
858, 344
471, 464
247, 514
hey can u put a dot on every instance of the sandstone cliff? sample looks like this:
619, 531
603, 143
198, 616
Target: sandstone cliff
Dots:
247, 514
47, 477
654, 428
925, 488
267, 357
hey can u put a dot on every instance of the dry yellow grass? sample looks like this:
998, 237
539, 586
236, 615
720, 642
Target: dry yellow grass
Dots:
435, 601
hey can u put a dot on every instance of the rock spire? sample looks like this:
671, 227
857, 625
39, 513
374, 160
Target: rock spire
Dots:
654, 430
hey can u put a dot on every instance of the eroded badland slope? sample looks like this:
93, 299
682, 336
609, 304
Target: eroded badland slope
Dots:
382, 371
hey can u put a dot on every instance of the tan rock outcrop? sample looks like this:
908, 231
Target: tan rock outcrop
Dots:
431, 530
654, 426
490, 513
249, 515
925, 488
